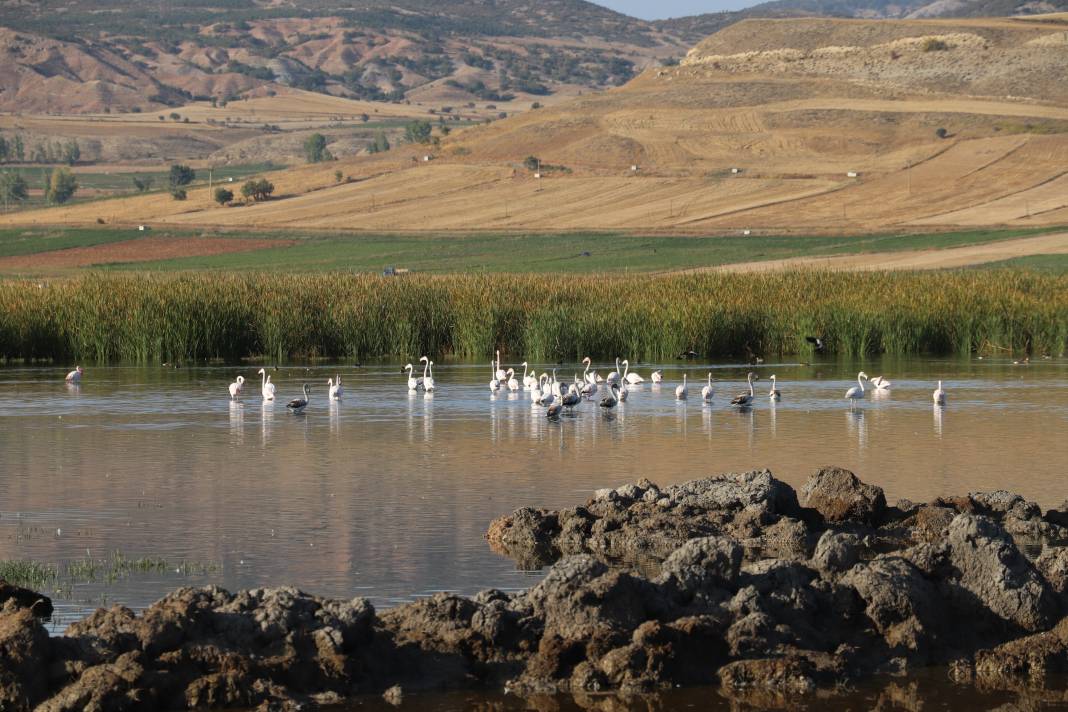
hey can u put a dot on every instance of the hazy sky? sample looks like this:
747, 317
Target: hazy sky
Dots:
659, 9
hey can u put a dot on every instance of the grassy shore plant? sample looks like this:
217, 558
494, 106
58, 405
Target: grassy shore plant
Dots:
153, 318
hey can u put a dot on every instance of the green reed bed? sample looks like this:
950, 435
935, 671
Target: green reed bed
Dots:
147, 318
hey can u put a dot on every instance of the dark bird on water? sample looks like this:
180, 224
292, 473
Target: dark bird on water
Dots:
297, 405
553, 411
612, 399
688, 354
817, 343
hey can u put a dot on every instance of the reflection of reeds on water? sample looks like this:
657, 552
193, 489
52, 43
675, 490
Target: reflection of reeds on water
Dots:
155, 318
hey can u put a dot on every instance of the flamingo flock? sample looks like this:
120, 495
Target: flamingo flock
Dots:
558, 397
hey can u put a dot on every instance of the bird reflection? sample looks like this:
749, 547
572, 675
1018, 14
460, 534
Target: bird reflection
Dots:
772, 413
266, 420
938, 411
857, 427
237, 421
335, 417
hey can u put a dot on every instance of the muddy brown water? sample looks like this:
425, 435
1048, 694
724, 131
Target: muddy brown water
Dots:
387, 494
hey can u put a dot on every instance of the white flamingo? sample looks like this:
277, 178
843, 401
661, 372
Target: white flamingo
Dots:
586, 378
297, 405
236, 386
266, 388
513, 382
535, 392
939, 395
880, 383
413, 383
428, 379
500, 374
745, 399
495, 382
614, 376
335, 391
774, 393
656, 376
857, 392
75, 376
708, 391
631, 378
529, 381
681, 391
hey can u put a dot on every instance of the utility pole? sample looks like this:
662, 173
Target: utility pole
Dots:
211, 171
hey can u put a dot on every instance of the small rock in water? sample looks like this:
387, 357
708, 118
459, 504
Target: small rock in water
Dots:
394, 695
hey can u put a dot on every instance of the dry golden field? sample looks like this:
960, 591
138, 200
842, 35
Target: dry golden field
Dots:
793, 106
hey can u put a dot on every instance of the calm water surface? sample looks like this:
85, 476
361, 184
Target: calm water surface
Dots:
388, 494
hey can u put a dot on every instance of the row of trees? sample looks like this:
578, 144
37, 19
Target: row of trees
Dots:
14, 150
58, 188
255, 189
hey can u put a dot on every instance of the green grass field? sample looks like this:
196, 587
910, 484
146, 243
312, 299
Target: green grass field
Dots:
512, 253
1043, 263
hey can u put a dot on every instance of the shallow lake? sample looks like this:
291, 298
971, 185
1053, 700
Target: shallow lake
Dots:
387, 494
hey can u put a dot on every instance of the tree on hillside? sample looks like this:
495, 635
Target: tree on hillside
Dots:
417, 132
380, 143
223, 196
315, 149
4, 149
72, 152
181, 176
18, 150
61, 186
13, 188
143, 185
257, 189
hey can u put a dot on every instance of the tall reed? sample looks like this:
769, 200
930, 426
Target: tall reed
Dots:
146, 318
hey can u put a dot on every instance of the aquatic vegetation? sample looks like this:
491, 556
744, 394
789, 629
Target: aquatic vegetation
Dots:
154, 318
107, 570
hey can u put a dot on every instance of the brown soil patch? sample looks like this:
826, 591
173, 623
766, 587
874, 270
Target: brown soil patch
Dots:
144, 249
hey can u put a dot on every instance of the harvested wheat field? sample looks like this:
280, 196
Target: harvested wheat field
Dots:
956, 257
144, 249
780, 126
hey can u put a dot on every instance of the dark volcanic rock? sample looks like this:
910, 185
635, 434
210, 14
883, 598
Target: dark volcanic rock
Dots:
745, 588
839, 496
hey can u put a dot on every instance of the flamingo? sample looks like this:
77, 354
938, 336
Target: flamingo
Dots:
623, 391
611, 399
335, 388
708, 391
513, 383
589, 389
614, 376
495, 382
656, 376
939, 395
553, 412
586, 375
297, 405
555, 387
235, 387
631, 378
745, 399
266, 388
857, 392
880, 383
571, 398
528, 381
500, 374
535, 392
428, 380
75, 376
413, 383
681, 391
774, 393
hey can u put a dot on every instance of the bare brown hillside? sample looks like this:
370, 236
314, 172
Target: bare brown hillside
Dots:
828, 132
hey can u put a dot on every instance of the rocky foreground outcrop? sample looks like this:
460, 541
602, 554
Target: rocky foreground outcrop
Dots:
737, 581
